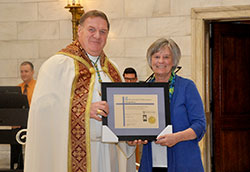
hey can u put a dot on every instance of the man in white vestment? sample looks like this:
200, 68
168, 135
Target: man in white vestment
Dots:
64, 125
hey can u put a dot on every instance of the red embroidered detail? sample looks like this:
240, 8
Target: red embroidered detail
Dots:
78, 131
113, 73
78, 107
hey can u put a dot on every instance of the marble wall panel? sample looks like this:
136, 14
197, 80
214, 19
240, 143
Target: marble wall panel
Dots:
53, 11
9, 82
232, 2
210, 3
8, 68
38, 30
183, 7
8, 31
127, 28
161, 8
66, 29
51, 47
169, 26
19, 49
186, 65
115, 47
184, 42
139, 8
18, 12
138, 47
113, 9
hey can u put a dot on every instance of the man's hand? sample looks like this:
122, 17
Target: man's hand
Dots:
99, 108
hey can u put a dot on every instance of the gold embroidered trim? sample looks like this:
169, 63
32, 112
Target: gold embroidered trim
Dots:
87, 115
71, 101
110, 69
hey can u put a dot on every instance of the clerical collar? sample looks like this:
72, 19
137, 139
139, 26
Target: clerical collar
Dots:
93, 58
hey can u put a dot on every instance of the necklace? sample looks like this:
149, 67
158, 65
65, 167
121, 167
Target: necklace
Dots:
97, 70
171, 82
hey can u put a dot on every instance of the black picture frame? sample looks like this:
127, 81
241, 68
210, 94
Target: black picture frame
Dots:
161, 90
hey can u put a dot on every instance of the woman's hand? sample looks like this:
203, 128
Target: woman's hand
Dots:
174, 138
137, 142
167, 140
99, 108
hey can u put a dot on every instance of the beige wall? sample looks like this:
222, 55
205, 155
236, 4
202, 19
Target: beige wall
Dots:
36, 29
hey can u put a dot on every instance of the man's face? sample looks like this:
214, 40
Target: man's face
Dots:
130, 77
93, 35
26, 73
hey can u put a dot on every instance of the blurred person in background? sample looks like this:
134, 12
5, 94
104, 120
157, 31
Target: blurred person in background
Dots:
130, 75
27, 87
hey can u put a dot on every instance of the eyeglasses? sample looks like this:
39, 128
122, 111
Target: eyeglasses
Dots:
129, 79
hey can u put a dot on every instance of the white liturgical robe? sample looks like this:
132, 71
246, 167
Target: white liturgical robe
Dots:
48, 124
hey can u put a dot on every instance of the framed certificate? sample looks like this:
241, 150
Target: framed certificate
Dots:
136, 110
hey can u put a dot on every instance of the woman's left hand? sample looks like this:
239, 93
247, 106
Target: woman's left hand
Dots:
137, 142
174, 138
167, 140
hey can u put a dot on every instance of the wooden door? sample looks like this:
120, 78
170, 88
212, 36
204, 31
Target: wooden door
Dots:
231, 96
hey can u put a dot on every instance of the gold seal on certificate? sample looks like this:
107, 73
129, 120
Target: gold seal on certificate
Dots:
151, 120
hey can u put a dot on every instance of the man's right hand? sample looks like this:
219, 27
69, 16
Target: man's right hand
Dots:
99, 108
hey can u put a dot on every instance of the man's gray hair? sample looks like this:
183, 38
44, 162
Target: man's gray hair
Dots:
94, 13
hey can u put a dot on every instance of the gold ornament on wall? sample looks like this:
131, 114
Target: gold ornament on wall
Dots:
77, 11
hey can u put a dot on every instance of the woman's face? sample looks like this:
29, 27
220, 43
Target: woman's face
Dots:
162, 62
